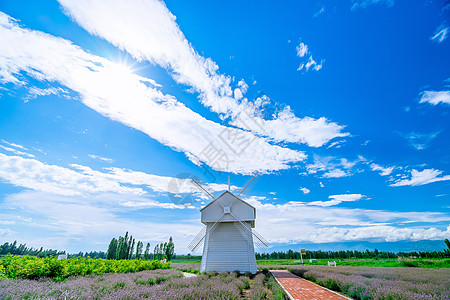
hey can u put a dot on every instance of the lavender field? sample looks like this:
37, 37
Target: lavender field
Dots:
367, 283
157, 284
379, 283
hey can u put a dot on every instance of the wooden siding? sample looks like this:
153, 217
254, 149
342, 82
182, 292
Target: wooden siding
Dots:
228, 247
240, 209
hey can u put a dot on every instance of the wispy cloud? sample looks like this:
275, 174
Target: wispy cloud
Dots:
308, 61
440, 34
60, 220
103, 85
15, 145
84, 181
319, 12
126, 24
333, 167
17, 152
422, 177
333, 224
337, 199
384, 171
93, 156
435, 97
420, 141
365, 3
302, 49
305, 190
336, 173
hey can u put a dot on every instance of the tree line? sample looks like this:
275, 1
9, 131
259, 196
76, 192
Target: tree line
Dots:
319, 254
127, 248
22, 249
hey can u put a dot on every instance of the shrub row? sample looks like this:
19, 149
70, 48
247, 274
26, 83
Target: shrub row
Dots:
27, 267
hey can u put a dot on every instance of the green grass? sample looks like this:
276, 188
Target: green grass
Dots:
368, 262
355, 262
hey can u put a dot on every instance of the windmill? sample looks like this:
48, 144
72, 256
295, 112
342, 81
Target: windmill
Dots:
228, 236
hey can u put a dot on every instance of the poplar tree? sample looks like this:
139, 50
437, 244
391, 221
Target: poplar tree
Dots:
139, 246
112, 249
169, 249
147, 251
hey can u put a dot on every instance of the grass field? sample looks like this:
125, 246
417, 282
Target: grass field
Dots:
387, 262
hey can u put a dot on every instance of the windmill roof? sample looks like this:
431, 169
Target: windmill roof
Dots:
230, 194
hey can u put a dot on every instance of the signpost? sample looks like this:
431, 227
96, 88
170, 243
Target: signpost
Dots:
302, 251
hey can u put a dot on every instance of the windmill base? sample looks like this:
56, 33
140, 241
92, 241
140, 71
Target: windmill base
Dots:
228, 248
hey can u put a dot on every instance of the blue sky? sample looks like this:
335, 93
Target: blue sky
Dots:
107, 107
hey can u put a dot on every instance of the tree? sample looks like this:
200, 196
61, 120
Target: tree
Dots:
121, 248
139, 246
147, 251
130, 247
447, 242
112, 249
169, 249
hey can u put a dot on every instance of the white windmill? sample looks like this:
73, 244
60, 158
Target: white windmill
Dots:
229, 235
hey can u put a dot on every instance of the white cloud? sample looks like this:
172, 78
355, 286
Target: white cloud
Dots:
319, 12
365, 3
93, 156
34, 92
435, 97
337, 199
104, 85
332, 166
310, 64
383, 171
336, 173
420, 141
302, 49
15, 145
148, 31
305, 190
440, 34
283, 222
77, 223
17, 152
422, 177
35, 175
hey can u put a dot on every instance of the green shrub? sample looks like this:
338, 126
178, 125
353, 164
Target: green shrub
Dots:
27, 267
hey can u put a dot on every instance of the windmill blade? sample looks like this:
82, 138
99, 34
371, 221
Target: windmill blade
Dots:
260, 242
195, 243
263, 242
197, 182
250, 184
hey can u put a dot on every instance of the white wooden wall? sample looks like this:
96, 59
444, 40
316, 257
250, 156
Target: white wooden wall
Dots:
228, 247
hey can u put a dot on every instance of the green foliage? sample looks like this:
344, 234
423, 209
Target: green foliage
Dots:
28, 267
112, 249
147, 251
277, 292
169, 248
365, 262
22, 249
139, 247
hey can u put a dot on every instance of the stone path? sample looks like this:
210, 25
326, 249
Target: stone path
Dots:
298, 288
188, 275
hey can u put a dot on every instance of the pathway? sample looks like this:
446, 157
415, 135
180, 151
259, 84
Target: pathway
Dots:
188, 275
299, 288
